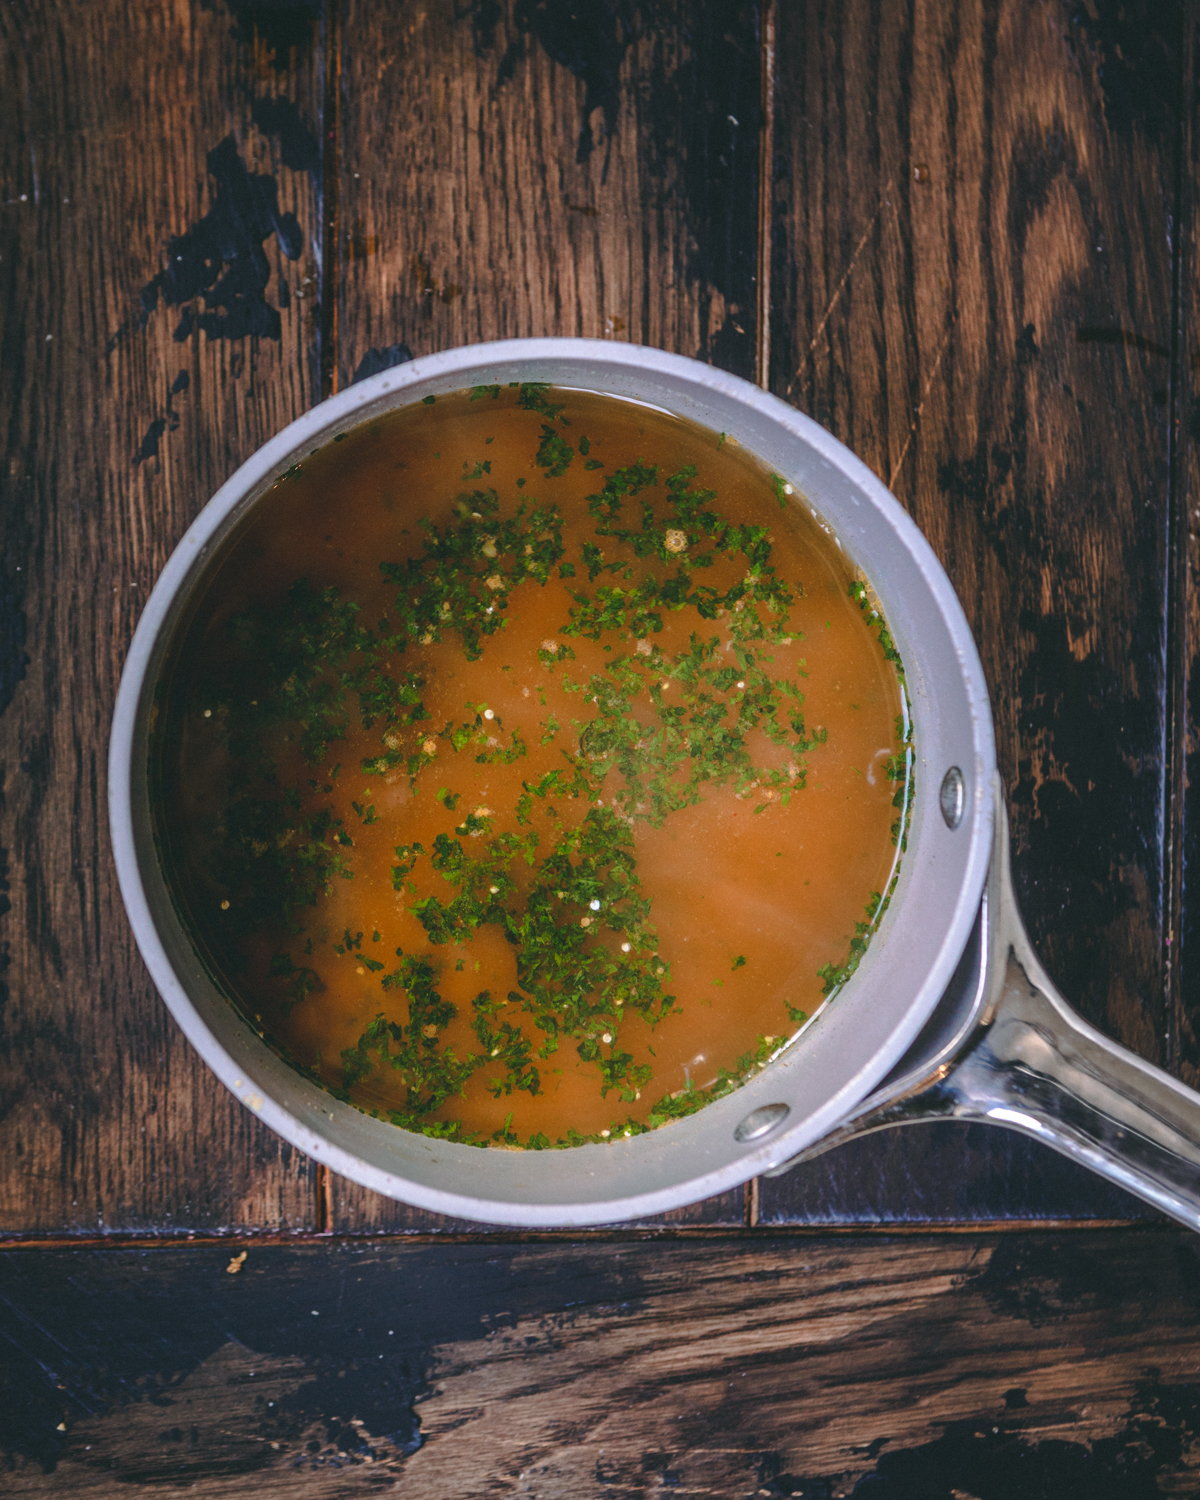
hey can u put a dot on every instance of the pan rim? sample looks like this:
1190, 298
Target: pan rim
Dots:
313, 1124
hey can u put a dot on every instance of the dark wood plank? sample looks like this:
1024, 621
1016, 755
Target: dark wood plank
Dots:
125, 126
1185, 410
943, 1172
972, 286
974, 357
514, 169
511, 169
1056, 1364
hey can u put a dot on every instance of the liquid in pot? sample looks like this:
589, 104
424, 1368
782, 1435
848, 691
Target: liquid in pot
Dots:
533, 765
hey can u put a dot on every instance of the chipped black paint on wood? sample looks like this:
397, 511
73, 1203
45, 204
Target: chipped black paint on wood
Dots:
994, 1366
220, 261
375, 361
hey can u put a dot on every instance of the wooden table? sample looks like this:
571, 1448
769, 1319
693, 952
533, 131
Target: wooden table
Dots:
959, 233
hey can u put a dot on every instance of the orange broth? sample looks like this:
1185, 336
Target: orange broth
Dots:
743, 894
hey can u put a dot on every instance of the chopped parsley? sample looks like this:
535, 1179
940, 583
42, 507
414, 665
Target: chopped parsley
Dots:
660, 727
554, 456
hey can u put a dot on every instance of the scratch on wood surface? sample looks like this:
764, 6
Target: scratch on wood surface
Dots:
912, 430
884, 201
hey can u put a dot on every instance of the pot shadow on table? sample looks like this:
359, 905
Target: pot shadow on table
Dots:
944, 1172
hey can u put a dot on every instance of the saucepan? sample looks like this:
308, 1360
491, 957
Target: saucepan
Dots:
949, 1015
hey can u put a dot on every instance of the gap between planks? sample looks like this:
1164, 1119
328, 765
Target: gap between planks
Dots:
308, 1239
762, 372
1177, 579
766, 178
331, 165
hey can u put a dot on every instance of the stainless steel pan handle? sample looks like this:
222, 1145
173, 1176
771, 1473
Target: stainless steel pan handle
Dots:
1014, 1053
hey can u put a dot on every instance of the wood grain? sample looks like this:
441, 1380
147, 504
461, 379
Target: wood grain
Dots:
512, 170
1185, 409
971, 1364
518, 170
990, 339
973, 288
117, 426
